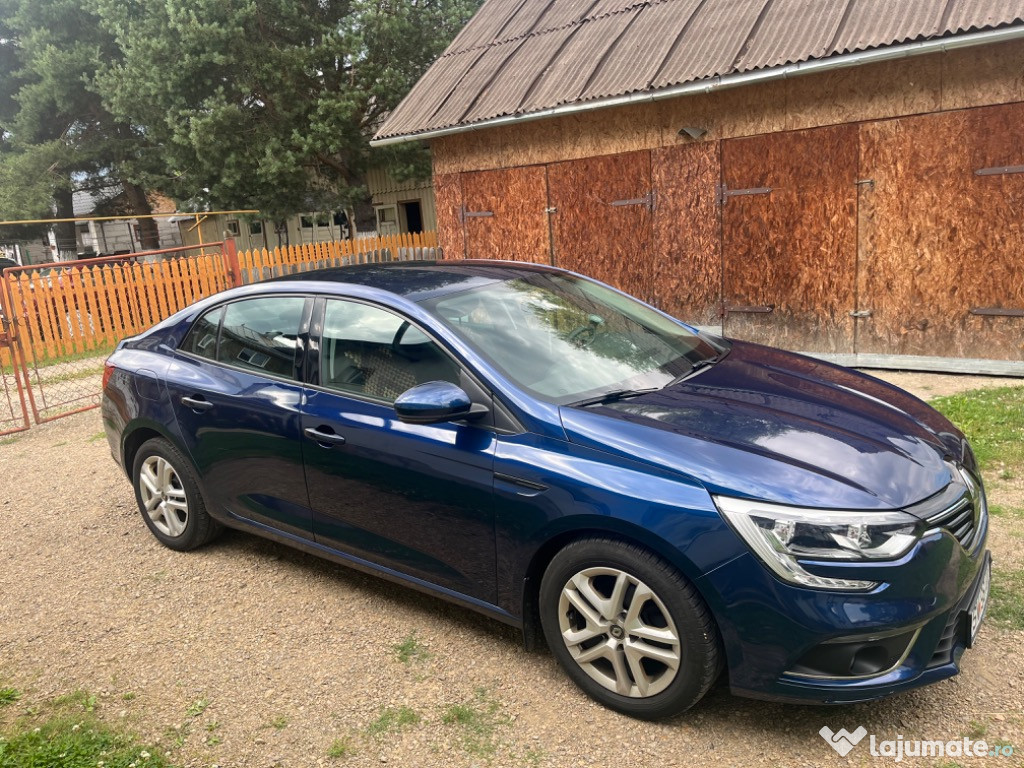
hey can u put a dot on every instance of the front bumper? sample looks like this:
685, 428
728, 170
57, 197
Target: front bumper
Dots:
768, 626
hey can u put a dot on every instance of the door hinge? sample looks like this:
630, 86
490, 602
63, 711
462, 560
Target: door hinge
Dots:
999, 170
464, 214
647, 200
862, 182
724, 193
860, 313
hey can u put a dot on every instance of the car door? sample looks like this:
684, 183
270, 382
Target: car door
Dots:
234, 388
413, 498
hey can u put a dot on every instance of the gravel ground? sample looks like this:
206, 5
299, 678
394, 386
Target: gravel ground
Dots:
247, 653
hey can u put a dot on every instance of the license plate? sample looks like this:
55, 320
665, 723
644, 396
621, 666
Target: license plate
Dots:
980, 602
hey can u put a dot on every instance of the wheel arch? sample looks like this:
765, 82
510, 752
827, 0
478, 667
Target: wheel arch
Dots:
137, 434
602, 528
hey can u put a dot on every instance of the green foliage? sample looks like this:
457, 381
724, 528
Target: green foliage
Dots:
270, 104
391, 720
1006, 598
68, 743
8, 696
478, 721
993, 421
342, 747
411, 649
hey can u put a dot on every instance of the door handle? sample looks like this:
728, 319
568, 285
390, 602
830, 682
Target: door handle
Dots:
197, 404
325, 439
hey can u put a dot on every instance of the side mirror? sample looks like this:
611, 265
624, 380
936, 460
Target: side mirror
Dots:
435, 402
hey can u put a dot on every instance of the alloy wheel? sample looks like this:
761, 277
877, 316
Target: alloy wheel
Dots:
619, 632
163, 496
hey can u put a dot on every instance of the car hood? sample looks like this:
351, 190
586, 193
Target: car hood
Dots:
786, 428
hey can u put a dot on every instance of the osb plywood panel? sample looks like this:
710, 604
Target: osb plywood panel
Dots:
937, 239
793, 249
885, 89
448, 202
685, 276
517, 228
991, 74
593, 236
960, 78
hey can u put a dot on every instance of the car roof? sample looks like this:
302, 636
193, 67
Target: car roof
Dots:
419, 280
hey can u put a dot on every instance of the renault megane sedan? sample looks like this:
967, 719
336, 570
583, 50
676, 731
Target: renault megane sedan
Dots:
657, 503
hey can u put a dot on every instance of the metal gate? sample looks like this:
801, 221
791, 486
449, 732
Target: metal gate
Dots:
13, 405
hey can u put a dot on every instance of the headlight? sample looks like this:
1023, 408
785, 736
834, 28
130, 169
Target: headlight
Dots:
779, 535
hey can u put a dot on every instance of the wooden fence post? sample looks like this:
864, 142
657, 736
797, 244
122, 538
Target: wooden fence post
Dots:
234, 272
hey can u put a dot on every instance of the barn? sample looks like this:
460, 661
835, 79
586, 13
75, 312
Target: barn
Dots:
838, 177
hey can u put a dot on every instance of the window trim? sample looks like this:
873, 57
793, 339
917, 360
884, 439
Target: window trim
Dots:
302, 338
315, 354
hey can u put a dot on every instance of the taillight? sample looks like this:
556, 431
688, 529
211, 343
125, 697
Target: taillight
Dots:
108, 369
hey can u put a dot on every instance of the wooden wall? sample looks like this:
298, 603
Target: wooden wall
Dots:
862, 225
933, 83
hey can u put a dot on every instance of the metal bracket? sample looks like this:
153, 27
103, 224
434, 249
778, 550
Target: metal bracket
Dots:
753, 310
552, 209
996, 312
861, 182
999, 170
861, 313
464, 214
647, 200
724, 193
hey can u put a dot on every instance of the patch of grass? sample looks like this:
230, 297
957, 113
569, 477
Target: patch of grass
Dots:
70, 743
993, 420
76, 701
98, 436
280, 722
342, 747
976, 730
9, 440
411, 649
392, 720
127, 696
8, 696
478, 720
1006, 599
65, 733
197, 707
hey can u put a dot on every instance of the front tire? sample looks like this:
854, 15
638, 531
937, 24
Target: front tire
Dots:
168, 496
628, 628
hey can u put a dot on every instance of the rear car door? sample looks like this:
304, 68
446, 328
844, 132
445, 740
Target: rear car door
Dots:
415, 498
234, 386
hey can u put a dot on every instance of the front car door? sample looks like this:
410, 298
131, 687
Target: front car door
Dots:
416, 499
234, 386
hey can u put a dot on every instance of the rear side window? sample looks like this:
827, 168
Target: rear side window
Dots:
258, 334
202, 339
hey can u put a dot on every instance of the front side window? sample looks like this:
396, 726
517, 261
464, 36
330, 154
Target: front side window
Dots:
369, 351
258, 334
566, 339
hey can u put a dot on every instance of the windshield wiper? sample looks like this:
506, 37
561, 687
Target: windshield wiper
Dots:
704, 362
613, 397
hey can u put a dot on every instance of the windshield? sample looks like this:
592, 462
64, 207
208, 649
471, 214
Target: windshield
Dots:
566, 339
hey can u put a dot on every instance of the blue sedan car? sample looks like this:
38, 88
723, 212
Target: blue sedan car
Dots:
658, 503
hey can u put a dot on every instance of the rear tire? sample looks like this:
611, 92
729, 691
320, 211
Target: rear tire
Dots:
628, 628
169, 499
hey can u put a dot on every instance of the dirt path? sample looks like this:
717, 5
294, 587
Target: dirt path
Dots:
248, 653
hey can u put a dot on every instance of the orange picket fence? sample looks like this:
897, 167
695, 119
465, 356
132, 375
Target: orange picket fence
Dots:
61, 320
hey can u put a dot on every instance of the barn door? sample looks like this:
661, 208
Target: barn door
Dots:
686, 263
505, 214
789, 238
601, 222
941, 265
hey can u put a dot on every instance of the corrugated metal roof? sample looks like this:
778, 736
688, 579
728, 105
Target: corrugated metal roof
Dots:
517, 57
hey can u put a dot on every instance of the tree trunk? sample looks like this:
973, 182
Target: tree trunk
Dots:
149, 234
64, 231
